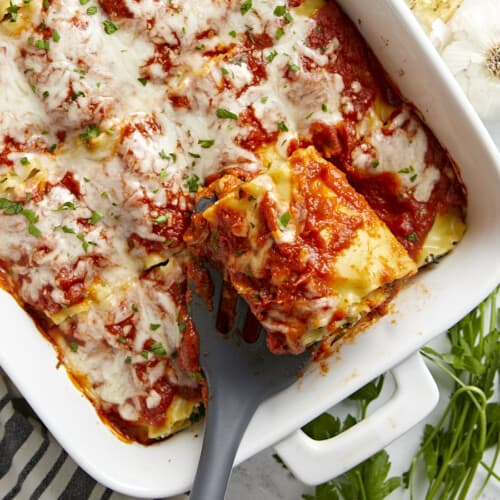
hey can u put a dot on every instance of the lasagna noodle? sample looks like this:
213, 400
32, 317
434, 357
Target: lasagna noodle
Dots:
303, 248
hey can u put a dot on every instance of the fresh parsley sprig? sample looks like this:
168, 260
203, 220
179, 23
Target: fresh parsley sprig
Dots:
367, 481
453, 449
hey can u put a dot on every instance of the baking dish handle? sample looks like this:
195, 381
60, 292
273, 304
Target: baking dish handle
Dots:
315, 462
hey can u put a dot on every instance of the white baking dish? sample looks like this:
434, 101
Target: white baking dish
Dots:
435, 300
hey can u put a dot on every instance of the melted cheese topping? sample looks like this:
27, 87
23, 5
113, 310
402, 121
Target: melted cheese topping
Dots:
402, 133
112, 115
133, 316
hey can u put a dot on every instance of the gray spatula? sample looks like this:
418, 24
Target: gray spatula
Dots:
240, 375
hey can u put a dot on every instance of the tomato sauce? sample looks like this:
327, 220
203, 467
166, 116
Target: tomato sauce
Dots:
124, 330
257, 135
162, 57
116, 8
409, 220
71, 184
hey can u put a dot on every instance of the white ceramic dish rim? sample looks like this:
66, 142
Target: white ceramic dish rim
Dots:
434, 301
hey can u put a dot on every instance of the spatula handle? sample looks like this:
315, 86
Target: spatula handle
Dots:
225, 425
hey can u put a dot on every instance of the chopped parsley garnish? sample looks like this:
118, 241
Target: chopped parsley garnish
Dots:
182, 326
193, 155
154, 326
407, 170
158, 349
33, 230
73, 346
143, 81
24, 161
282, 127
110, 27
91, 132
128, 360
245, 7
270, 57
134, 308
280, 10
324, 108
30, 216
92, 10
12, 10
284, 220
85, 244
412, 237
95, 217
76, 95
56, 36
42, 44
226, 114
293, 67
122, 339
162, 219
232, 34
69, 230
206, 143
279, 33
16, 208
145, 354
192, 183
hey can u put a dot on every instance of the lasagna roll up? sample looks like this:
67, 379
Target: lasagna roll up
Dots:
302, 247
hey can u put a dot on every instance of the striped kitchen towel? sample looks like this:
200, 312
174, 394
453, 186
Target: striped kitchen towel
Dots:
32, 464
